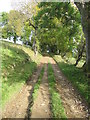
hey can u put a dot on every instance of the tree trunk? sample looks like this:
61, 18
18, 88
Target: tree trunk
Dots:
84, 67
34, 44
14, 40
85, 20
80, 54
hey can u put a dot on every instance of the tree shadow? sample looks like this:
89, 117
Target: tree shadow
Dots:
32, 83
15, 70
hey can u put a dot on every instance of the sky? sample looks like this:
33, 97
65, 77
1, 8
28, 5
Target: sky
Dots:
5, 5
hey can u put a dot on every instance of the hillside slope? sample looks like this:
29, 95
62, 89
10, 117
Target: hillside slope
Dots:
18, 64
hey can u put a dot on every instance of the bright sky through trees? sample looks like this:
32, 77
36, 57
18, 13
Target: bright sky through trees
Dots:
5, 5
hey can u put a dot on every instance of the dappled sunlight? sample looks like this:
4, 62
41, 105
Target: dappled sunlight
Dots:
16, 69
47, 75
69, 95
72, 102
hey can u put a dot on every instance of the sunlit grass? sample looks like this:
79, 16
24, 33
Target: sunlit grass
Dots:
18, 64
27, 50
76, 76
37, 85
69, 60
56, 103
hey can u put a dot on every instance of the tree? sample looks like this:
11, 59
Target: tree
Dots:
29, 9
12, 24
15, 24
81, 49
4, 19
61, 22
3, 24
84, 8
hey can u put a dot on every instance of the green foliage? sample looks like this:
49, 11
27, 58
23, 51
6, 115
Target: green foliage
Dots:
26, 32
15, 22
4, 18
3, 24
12, 24
29, 9
76, 76
58, 25
4, 32
56, 103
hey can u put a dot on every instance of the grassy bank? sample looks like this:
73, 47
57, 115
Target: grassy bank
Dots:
76, 76
18, 64
56, 103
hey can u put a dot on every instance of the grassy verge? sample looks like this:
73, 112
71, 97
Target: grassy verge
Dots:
37, 85
18, 64
26, 50
56, 103
76, 76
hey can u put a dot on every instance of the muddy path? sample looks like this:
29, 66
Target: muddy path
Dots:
41, 106
72, 102
18, 106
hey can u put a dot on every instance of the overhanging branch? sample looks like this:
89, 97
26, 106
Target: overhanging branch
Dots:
30, 24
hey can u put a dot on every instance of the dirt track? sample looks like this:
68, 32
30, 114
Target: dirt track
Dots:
18, 107
41, 107
72, 102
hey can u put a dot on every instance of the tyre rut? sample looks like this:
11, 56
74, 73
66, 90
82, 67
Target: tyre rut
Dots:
72, 102
19, 106
41, 106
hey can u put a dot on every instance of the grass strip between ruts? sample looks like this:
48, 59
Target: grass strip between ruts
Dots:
37, 85
56, 103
